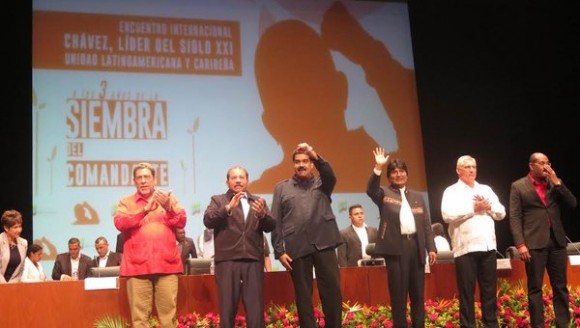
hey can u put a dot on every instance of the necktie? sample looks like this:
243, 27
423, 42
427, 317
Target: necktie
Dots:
406, 215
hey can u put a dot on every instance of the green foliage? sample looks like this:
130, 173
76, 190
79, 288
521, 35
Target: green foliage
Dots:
111, 321
512, 311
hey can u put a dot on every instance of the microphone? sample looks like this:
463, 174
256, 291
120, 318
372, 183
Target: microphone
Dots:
574, 246
512, 252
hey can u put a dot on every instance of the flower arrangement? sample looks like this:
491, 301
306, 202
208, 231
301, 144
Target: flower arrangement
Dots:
512, 311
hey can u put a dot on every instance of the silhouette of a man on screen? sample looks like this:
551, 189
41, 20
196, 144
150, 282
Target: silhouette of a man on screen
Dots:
85, 214
303, 94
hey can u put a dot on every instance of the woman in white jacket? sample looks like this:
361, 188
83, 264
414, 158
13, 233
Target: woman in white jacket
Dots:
33, 271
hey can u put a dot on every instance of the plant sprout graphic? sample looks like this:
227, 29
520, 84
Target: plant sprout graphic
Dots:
184, 170
37, 107
51, 161
192, 132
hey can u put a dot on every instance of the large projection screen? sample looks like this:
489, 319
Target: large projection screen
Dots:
196, 87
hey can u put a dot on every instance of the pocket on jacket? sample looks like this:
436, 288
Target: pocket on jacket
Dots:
171, 255
288, 231
138, 253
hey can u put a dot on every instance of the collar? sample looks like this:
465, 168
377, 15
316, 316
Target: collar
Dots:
303, 181
364, 227
537, 182
398, 190
140, 198
230, 194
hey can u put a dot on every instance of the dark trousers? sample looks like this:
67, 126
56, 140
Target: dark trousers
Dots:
554, 260
406, 276
245, 278
325, 266
480, 267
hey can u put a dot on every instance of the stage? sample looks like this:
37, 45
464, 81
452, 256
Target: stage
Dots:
68, 304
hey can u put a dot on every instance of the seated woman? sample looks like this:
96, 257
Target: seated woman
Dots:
12, 247
33, 271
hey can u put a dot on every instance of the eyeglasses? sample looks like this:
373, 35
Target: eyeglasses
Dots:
543, 163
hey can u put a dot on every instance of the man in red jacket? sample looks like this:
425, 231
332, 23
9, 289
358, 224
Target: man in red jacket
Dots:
151, 261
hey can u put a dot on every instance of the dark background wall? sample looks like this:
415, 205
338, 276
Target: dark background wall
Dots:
496, 79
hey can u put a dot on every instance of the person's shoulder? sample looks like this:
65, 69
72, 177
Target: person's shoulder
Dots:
219, 196
61, 256
454, 186
520, 180
346, 230
485, 186
370, 227
86, 257
126, 197
22, 241
282, 183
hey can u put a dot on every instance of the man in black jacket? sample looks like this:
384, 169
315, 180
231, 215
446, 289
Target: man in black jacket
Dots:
239, 220
306, 235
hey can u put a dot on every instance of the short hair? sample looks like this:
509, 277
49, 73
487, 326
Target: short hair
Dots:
464, 159
299, 151
143, 165
33, 249
352, 207
101, 238
396, 164
74, 240
534, 157
10, 218
438, 229
237, 167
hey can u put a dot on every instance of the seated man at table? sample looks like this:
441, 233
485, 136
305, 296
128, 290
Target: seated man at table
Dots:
356, 238
185, 245
105, 257
72, 265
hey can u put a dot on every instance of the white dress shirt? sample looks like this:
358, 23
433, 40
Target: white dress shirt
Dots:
363, 236
469, 231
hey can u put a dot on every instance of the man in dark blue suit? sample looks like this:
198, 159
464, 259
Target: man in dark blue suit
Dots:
536, 202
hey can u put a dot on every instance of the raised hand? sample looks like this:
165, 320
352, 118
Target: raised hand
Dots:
308, 149
380, 157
